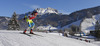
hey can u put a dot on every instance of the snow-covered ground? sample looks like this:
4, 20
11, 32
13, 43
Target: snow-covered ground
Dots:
48, 27
14, 38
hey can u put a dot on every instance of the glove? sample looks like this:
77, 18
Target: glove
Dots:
24, 18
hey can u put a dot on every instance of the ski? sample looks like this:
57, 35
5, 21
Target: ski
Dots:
37, 35
30, 35
26, 34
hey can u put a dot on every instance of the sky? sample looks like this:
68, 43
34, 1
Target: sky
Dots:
7, 7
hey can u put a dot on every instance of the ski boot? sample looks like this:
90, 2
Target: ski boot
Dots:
24, 31
31, 32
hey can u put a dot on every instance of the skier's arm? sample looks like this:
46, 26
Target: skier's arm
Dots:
31, 17
24, 17
35, 14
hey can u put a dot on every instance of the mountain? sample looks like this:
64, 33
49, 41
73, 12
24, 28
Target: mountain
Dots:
86, 24
49, 10
45, 16
80, 14
46, 19
50, 16
84, 13
4, 22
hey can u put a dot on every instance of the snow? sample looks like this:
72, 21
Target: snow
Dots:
97, 43
91, 37
42, 11
46, 27
6, 18
74, 23
88, 24
14, 38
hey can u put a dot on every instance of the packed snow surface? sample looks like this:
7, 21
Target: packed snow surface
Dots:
14, 38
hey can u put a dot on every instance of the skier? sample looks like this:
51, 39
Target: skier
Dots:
30, 22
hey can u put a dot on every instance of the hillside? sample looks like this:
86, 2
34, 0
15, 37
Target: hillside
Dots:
86, 24
4, 22
53, 17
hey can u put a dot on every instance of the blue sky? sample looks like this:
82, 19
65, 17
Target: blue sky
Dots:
7, 7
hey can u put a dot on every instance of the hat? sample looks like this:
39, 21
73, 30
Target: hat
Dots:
35, 11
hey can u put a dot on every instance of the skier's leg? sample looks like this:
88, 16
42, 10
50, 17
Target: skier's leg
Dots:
33, 25
25, 31
29, 25
32, 28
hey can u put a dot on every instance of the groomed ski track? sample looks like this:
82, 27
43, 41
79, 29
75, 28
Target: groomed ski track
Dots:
14, 38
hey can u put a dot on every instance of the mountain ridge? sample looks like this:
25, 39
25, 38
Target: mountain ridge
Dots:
60, 19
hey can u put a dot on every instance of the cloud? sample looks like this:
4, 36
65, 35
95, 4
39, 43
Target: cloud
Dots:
32, 6
64, 12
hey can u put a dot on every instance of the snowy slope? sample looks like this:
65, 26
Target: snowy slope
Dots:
14, 38
74, 23
89, 23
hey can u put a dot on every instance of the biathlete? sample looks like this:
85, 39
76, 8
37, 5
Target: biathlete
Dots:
31, 24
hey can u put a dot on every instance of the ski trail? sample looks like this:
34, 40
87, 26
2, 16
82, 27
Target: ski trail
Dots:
7, 42
14, 38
